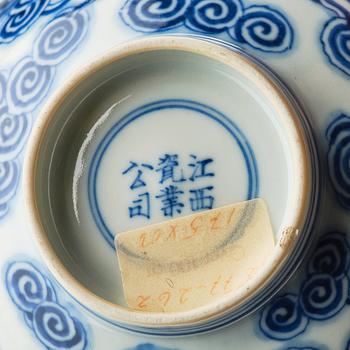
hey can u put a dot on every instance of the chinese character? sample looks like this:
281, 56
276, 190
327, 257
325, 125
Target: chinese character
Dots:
200, 200
141, 207
166, 167
199, 168
170, 200
138, 182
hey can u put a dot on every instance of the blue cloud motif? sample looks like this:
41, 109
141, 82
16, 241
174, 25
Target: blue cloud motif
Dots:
338, 135
19, 17
331, 256
54, 5
335, 35
322, 296
324, 292
210, 16
149, 346
57, 329
335, 38
9, 178
261, 27
154, 15
60, 37
33, 294
283, 319
28, 84
14, 131
27, 286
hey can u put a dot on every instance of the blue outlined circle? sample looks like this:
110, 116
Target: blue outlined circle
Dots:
202, 109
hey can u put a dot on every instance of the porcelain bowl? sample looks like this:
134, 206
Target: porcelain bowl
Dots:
128, 109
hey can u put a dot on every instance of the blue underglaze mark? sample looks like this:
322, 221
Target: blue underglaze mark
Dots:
33, 294
335, 35
323, 293
172, 174
338, 135
260, 27
27, 84
144, 111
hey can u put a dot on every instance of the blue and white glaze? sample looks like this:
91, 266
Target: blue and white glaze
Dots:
260, 27
19, 16
335, 35
33, 294
328, 35
323, 292
25, 85
338, 137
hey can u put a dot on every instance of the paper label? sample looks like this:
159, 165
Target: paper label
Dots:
188, 262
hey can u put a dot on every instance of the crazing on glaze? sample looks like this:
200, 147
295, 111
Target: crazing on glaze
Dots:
335, 35
26, 84
338, 136
259, 27
34, 295
323, 293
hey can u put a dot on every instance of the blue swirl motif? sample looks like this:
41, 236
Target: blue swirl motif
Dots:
14, 130
21, 15
323, 293
284, 319
335, 35
54, 6
338, 135
264, 29
27, 84
154, 15
149, 346
210, 16
59, 38
259, 27
34, 295
323, 296
9, 178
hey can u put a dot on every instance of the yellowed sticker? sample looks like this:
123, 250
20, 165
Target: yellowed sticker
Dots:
188, 262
